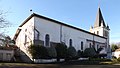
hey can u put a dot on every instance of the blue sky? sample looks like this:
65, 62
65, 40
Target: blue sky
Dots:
79, 13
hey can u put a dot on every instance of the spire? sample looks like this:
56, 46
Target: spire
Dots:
99, 19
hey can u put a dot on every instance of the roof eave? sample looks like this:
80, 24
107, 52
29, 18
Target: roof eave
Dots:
40, 16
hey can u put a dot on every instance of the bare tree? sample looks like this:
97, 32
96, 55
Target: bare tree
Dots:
3, 21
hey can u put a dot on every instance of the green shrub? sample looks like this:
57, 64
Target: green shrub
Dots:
52, 52
114, 47
114, 60
38, 51
113, 57
42, 51
71, 52
61, 50
90, 52
32, 50
79, 53
118, 59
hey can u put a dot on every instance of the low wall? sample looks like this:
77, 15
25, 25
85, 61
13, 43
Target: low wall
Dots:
6, 55
46, 60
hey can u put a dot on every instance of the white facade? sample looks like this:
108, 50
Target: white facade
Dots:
56, 30
53, 29
36, 27
116, 53
26, 35
47, 27
27, 30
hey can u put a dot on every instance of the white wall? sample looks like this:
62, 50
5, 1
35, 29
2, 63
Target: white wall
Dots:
6, 55
54, 29
48, 27
116, 54
20, 40
99, 29
78, 36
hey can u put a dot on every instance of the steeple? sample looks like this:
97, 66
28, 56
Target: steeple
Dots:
99, 19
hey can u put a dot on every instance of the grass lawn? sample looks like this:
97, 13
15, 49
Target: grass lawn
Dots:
69, 64
24, 65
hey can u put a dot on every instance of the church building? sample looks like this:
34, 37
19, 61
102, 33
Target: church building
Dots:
38, 29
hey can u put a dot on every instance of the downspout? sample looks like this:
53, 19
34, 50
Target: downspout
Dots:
93, 42
61, 33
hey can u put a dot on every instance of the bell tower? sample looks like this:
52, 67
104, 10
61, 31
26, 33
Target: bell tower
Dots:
100, 27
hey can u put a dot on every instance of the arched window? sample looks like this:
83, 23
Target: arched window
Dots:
25, 38
97, 47
97, 32
105, 33
70, 42
47, 40
90, 45
82, 45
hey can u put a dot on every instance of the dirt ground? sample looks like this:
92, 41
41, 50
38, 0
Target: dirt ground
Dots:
23, 65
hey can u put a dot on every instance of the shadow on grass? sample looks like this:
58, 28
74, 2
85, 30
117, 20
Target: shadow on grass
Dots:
84, 62
68, 64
